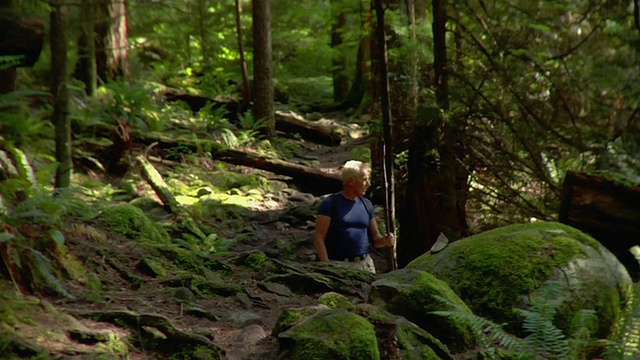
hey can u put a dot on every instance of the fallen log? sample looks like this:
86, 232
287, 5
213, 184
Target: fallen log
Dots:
309, 179
22, 38
153, 177
291, 123
605, 208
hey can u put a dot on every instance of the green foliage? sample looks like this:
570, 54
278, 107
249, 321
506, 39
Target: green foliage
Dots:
625, 340
543, 339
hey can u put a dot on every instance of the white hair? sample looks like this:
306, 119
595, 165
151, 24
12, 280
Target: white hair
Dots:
354, 169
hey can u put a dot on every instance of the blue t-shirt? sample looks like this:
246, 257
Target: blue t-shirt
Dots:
348, 234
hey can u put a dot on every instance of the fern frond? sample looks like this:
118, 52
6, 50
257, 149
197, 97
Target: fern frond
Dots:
626, 332
42, 274
87, 232
545, 340
19, 98
488, 332
25, 169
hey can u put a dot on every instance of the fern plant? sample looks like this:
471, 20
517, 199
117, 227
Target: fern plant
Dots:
544, 340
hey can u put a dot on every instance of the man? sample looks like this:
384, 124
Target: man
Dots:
346, 221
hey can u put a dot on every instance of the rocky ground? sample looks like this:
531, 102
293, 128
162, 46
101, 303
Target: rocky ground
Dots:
230, 301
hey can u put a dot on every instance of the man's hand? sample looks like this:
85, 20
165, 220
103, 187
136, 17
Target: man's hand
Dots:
388, 240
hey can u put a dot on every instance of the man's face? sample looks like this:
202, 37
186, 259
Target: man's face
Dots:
361, 184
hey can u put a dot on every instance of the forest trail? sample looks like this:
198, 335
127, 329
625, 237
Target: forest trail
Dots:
235, 308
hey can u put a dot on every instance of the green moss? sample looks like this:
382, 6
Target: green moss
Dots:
332, 334
415, 294
258, 261
495, 269
335, 301
132, 222
183, 258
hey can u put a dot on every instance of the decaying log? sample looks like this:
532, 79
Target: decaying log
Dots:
153, 177
20, 37
313, 180
607, 209
292, 123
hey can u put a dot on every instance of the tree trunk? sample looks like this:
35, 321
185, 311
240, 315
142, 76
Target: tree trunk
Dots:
87, 68
340, 78
112, 47
59, 89
387, 144
437, 186
263, 103
246, 85
202, 12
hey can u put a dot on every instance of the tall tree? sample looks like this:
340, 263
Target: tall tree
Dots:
202, 29
435, 200
263, 102
60, 92
113, 40
387, 143
246, 86
338, 24
87, 48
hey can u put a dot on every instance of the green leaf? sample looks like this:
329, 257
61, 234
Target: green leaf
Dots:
57, 236
6, 236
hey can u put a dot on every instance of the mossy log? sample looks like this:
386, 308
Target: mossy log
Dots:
153, 177
605, 208
21, 37
292, 123
313, 180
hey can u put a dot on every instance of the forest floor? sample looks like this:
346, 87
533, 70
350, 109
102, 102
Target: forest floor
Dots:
240, 323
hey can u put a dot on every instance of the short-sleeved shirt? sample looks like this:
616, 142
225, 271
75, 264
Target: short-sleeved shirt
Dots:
348, 234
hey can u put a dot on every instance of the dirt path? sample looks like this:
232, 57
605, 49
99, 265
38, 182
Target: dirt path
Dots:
239, 322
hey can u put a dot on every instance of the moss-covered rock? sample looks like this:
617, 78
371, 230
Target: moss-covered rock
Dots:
330, 334
290, 317
132, 222
500, 270
335, 301
399, 338
415, 294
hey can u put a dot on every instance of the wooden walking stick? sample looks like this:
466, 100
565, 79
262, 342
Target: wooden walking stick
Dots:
387, 146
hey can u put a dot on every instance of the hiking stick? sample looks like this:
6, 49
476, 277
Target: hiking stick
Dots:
387, 148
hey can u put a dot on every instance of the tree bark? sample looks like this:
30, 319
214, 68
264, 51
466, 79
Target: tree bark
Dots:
606, 209
340, 78
263, 103
246, 85
112, 47
60, 92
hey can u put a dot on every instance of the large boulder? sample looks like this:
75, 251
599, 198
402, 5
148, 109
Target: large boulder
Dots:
416, 294
499, 271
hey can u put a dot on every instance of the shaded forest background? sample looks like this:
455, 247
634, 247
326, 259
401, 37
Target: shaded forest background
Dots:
492, 102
